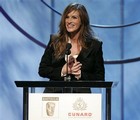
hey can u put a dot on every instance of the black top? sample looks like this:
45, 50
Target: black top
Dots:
90, 58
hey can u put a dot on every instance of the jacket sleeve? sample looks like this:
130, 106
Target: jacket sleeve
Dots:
97, 71
46, 67
99, 65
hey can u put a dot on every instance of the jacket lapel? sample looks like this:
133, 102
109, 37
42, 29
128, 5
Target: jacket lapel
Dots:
85, 52
92, 46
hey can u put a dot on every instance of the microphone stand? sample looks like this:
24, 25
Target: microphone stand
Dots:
68, 77
67, 52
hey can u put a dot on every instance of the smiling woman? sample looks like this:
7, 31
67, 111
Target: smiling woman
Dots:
73, 22
86, 51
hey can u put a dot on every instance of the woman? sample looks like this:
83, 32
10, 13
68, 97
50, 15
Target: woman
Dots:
85, 60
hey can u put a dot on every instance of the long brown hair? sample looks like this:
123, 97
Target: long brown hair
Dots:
85, 30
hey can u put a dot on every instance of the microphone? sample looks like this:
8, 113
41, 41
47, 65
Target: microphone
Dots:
67, 52
68, 47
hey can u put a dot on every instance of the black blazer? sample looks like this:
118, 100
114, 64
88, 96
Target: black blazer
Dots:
92, 64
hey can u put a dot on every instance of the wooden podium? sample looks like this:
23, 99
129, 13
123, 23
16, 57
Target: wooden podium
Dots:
108, 85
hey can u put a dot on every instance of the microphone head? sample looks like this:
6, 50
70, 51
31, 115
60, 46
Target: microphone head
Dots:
68, 47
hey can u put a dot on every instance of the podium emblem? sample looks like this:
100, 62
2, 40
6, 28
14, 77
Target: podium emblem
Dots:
50, 108
79, 104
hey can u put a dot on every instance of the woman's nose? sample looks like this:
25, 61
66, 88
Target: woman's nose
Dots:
69, 19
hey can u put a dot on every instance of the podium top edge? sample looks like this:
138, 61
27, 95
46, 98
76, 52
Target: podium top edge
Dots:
94, 84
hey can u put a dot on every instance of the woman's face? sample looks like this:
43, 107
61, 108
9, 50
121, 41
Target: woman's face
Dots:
73, 22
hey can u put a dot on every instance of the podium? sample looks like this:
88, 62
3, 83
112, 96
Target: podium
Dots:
108, 85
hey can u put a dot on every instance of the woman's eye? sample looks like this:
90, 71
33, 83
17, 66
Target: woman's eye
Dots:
67, 16
74, 17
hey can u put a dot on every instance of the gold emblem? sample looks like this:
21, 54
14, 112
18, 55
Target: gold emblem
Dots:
50, 107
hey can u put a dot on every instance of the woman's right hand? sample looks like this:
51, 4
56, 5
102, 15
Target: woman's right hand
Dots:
76, 69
